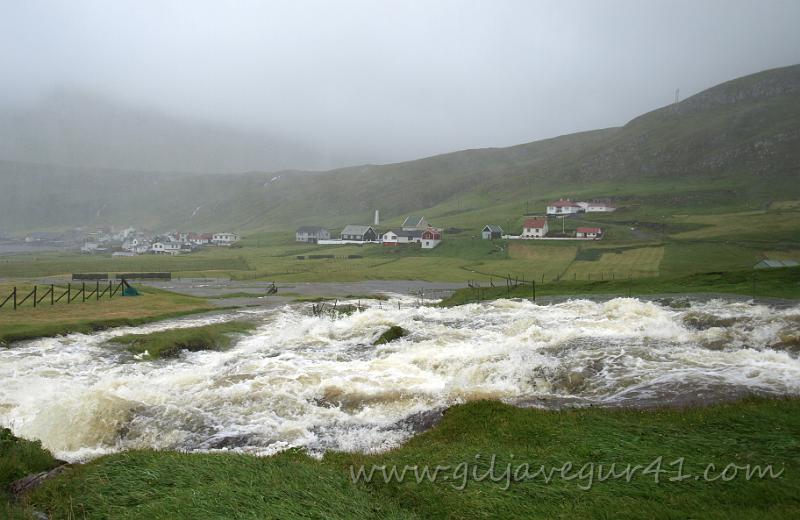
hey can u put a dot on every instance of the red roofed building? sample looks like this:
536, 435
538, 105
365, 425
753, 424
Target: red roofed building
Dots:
588, 232
431, 238
534, 228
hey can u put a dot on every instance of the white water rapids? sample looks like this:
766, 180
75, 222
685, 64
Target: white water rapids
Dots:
318, 383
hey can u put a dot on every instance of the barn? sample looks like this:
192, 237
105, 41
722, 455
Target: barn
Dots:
491, 232
358, 233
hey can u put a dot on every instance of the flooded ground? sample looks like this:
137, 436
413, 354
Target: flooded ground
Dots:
319, 383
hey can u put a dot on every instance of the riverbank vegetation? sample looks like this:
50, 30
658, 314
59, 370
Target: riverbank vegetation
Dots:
43, 321
19, 458
169, 343
749, 433
767, 283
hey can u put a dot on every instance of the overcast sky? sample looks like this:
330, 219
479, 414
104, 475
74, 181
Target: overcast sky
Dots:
380, 81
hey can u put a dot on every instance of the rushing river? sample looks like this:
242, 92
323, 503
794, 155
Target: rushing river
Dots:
318, 383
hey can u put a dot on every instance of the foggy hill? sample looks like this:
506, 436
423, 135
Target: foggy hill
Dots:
76, 128
744, 132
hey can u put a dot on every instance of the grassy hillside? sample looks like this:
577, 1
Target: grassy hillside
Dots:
731, 148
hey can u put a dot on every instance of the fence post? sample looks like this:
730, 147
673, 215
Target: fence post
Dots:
97, 290
15, 297
533, 289
34, 296
83, 291
69, 292
109, 288
52, 295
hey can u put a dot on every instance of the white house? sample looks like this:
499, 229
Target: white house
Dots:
564, 207
166, 248
201, 240
400, 236
534, 228
311, 234
224, 239
588, 232
599, 207
91, 247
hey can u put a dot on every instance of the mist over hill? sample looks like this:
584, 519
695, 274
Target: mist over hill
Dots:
744, 134
77, 128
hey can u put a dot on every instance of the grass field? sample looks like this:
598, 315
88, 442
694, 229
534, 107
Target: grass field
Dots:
755, 432
775, 283
641, 240
45, 320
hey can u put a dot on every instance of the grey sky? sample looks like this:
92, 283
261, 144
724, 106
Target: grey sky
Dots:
379, 81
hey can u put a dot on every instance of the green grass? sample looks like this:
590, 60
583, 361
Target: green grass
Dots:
775, 283
169, 343
392, 333
152, 305
19, 458
150, 484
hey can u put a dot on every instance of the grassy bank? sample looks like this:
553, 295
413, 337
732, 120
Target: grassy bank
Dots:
773, 283
44, 321
19, 458
169, 343
148, 484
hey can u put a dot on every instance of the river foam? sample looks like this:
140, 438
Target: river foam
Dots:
318, 383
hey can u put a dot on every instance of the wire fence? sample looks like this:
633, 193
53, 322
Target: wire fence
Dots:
44, 295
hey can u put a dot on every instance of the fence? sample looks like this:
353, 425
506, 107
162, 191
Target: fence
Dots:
69, 295
513, 283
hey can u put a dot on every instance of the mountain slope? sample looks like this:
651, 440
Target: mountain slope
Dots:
738, 141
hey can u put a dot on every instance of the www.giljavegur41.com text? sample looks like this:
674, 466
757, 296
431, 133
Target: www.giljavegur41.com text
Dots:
585, 475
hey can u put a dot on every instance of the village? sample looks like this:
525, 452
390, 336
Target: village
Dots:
124, 242
417, 231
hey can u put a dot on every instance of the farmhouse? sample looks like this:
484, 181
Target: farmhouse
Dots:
311, 234
412, 223
588, 232
359, 233
224, 239
394, 237
534, 228
431, 238
564, 207
491, 232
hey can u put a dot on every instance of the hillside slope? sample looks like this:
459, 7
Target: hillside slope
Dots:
737, 143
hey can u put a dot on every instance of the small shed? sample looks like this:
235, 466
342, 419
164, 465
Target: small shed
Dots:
588, 232
775, 264
491, 232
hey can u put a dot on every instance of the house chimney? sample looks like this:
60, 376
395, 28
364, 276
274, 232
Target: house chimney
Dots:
377, 217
